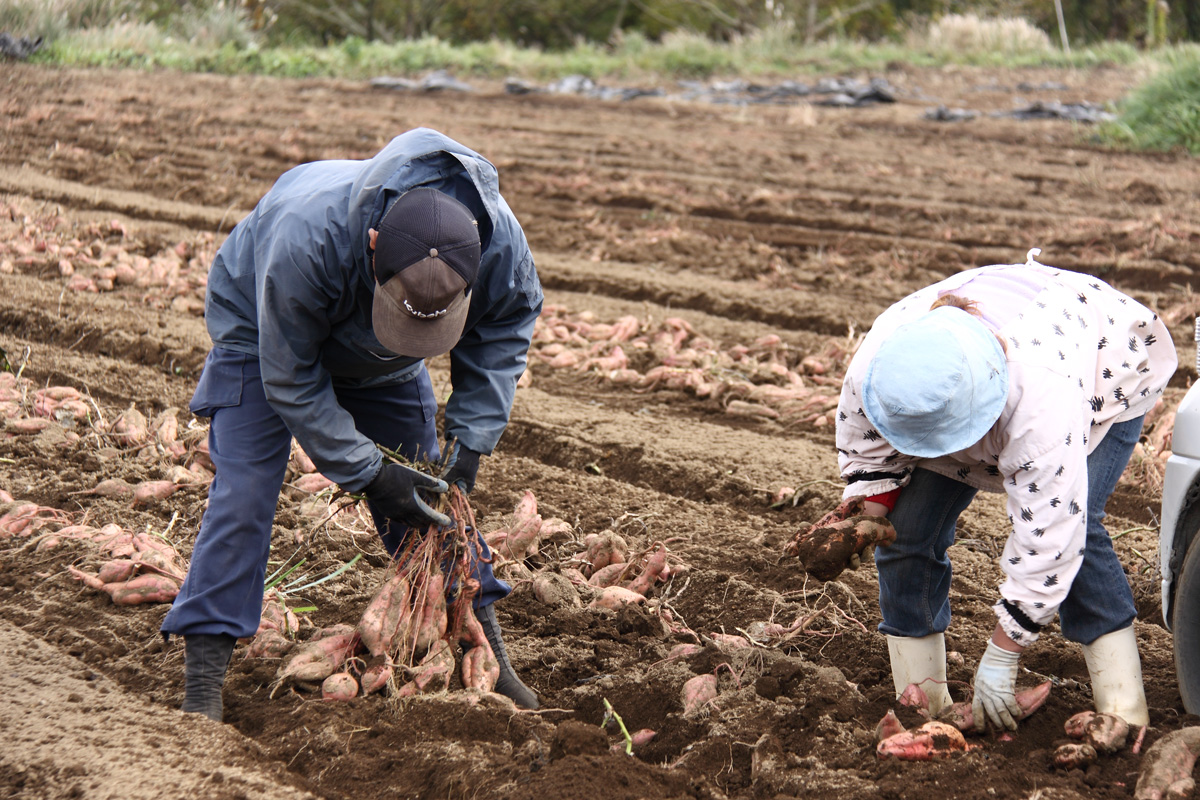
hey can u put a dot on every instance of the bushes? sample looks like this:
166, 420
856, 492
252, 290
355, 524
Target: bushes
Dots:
1163, 113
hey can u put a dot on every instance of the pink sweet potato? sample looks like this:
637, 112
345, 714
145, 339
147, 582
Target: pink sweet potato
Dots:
608, 575
1167, 766
149, 491
340, 686
143, 589
914, 696
654, 564
433, 619
932, 740
555, 590
386, 615
119, 569
962, 717
317, 659
480, 669
614, 597
433, 672
697, 693
1075, 756
268, 643
523, 538
889, 726
603, 549
1103, 731
130, 428
376, 677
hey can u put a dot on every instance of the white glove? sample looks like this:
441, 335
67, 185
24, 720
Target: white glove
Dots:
996, 689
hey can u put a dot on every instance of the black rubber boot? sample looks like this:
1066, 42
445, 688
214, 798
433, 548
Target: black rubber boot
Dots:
206, 660
508, 684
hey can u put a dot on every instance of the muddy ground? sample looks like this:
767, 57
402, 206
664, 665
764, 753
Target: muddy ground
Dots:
744, 222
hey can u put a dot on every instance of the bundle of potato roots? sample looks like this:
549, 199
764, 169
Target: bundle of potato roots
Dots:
409, 634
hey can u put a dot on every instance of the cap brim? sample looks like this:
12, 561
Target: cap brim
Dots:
405, 335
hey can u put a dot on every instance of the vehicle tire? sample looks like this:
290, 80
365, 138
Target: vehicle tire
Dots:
1185, 617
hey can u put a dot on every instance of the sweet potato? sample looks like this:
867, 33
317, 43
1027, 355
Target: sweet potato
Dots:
433, 672
165, 427
889, 726
614, 597
654, 565
1167, 766
268, 643
340, 686
697, 693
317, 659
148, 491
1075, 756
523, 538
389, 611
607, 576
1103, 731
932, 740
850, 507
730, 641
143, 589
112, 487
684, 650
826, 551
130, 428
962, 717
433, 620
638, 738
119, 569
914, 696
555, 590
480, 669
603, 549
312, 482
376, 676
277, 616
28, 424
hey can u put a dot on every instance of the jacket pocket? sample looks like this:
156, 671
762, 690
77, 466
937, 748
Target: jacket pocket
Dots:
220, 384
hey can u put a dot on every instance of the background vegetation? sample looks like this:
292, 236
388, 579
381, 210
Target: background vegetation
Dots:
635, 40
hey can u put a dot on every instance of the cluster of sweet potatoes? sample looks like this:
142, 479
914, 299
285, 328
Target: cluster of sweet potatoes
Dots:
764, 380
407, 637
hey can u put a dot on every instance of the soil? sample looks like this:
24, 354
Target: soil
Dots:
744, 221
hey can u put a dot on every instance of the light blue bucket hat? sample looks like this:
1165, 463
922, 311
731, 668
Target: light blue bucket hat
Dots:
937, 384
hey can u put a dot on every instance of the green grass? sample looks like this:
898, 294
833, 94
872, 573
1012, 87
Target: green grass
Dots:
1164, 112
220, 40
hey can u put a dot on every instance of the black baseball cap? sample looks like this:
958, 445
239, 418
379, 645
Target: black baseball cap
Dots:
426, 261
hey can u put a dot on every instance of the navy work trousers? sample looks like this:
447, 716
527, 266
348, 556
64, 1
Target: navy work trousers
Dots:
250, 446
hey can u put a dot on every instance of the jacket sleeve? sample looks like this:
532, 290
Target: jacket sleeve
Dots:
1046, 481
490, 358
293, 322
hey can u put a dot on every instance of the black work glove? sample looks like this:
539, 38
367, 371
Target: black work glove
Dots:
461, 467
394, 493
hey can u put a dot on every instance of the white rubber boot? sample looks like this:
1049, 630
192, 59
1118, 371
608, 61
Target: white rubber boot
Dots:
1116, 673
921, 660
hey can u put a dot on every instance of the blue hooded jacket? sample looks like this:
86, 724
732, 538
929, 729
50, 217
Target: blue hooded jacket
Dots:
292, 285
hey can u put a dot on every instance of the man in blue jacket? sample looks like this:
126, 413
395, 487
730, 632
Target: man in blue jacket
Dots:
322, 305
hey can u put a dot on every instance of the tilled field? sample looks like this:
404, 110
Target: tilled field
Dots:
708, 269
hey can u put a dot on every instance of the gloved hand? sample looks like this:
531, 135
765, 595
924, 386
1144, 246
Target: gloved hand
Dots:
394, 493
996, 689
462, 466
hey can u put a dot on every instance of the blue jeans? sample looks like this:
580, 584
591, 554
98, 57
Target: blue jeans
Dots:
915, 572
250, 446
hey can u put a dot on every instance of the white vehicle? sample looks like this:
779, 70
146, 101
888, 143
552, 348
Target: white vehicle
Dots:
1179, 543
